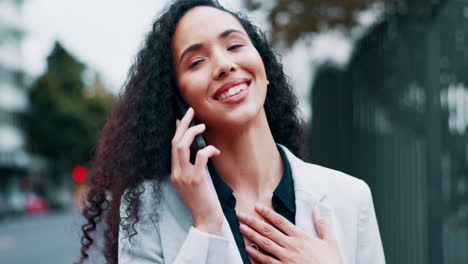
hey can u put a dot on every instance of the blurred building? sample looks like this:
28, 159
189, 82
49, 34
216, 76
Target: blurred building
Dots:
13, 158
397, 117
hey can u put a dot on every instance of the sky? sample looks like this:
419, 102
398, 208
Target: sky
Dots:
103, 34
106, 35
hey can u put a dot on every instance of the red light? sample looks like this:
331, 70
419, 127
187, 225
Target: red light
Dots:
79, 174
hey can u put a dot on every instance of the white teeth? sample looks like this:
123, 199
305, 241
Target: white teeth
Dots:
232, 91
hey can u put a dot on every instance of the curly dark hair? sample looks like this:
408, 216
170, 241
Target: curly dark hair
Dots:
135, 143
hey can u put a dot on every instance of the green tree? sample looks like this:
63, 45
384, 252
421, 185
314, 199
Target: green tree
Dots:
64, 116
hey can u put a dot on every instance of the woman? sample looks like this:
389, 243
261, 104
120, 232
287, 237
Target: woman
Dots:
245, 198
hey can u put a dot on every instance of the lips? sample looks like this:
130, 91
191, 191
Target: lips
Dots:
229, 85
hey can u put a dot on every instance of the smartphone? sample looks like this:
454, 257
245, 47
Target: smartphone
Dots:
199, 142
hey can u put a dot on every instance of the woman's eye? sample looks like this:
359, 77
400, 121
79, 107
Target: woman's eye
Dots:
195, 63
235, 47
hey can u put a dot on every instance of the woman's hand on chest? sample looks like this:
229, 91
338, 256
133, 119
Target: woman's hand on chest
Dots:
289, 244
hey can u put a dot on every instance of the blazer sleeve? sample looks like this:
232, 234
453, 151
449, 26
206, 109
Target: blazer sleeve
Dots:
146, 248
369, 246
201, 247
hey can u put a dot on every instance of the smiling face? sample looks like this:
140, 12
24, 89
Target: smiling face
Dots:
218, 70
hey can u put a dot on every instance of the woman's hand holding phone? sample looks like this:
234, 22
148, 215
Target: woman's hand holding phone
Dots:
191, 180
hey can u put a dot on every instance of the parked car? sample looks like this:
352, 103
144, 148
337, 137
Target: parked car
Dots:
36, 204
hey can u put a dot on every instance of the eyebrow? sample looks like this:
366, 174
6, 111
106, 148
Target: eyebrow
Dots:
198, 46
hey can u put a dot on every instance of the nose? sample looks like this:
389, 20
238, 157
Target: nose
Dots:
223, 65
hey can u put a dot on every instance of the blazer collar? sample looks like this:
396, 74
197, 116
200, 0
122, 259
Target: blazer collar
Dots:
311, 189
306, 178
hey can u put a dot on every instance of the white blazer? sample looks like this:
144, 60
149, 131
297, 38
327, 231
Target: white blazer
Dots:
344, 201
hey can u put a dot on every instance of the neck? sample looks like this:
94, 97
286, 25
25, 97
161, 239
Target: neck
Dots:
250, 162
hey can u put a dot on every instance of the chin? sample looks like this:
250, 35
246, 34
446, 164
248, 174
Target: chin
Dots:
243, 116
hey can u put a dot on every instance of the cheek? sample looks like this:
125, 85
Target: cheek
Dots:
254, 63
193, 86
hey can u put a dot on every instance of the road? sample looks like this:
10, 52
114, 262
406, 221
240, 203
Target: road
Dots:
51, 238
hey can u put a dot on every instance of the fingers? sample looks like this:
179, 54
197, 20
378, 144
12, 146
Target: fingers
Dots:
174, 159
263, 242
259, 257
320, 225
183, 146
204, 154
183, 138
183, 125
264, 228
278, 220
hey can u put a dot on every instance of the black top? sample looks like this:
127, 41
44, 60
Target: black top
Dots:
283, 201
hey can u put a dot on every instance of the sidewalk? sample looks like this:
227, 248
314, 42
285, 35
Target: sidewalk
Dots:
50, 238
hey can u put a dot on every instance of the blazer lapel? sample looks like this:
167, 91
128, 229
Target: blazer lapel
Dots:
310, 191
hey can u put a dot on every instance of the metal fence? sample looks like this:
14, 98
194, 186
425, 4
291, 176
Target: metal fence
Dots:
397, 117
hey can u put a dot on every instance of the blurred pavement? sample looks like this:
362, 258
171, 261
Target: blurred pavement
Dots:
50, 238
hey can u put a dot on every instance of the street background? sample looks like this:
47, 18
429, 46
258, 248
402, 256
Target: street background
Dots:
382, 86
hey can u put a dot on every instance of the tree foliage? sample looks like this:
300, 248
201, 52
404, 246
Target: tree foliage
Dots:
291, 19
65, 116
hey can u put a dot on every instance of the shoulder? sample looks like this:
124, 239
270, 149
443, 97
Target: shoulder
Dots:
318, 181
337, 180
337, 183
148, 197
159, 199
